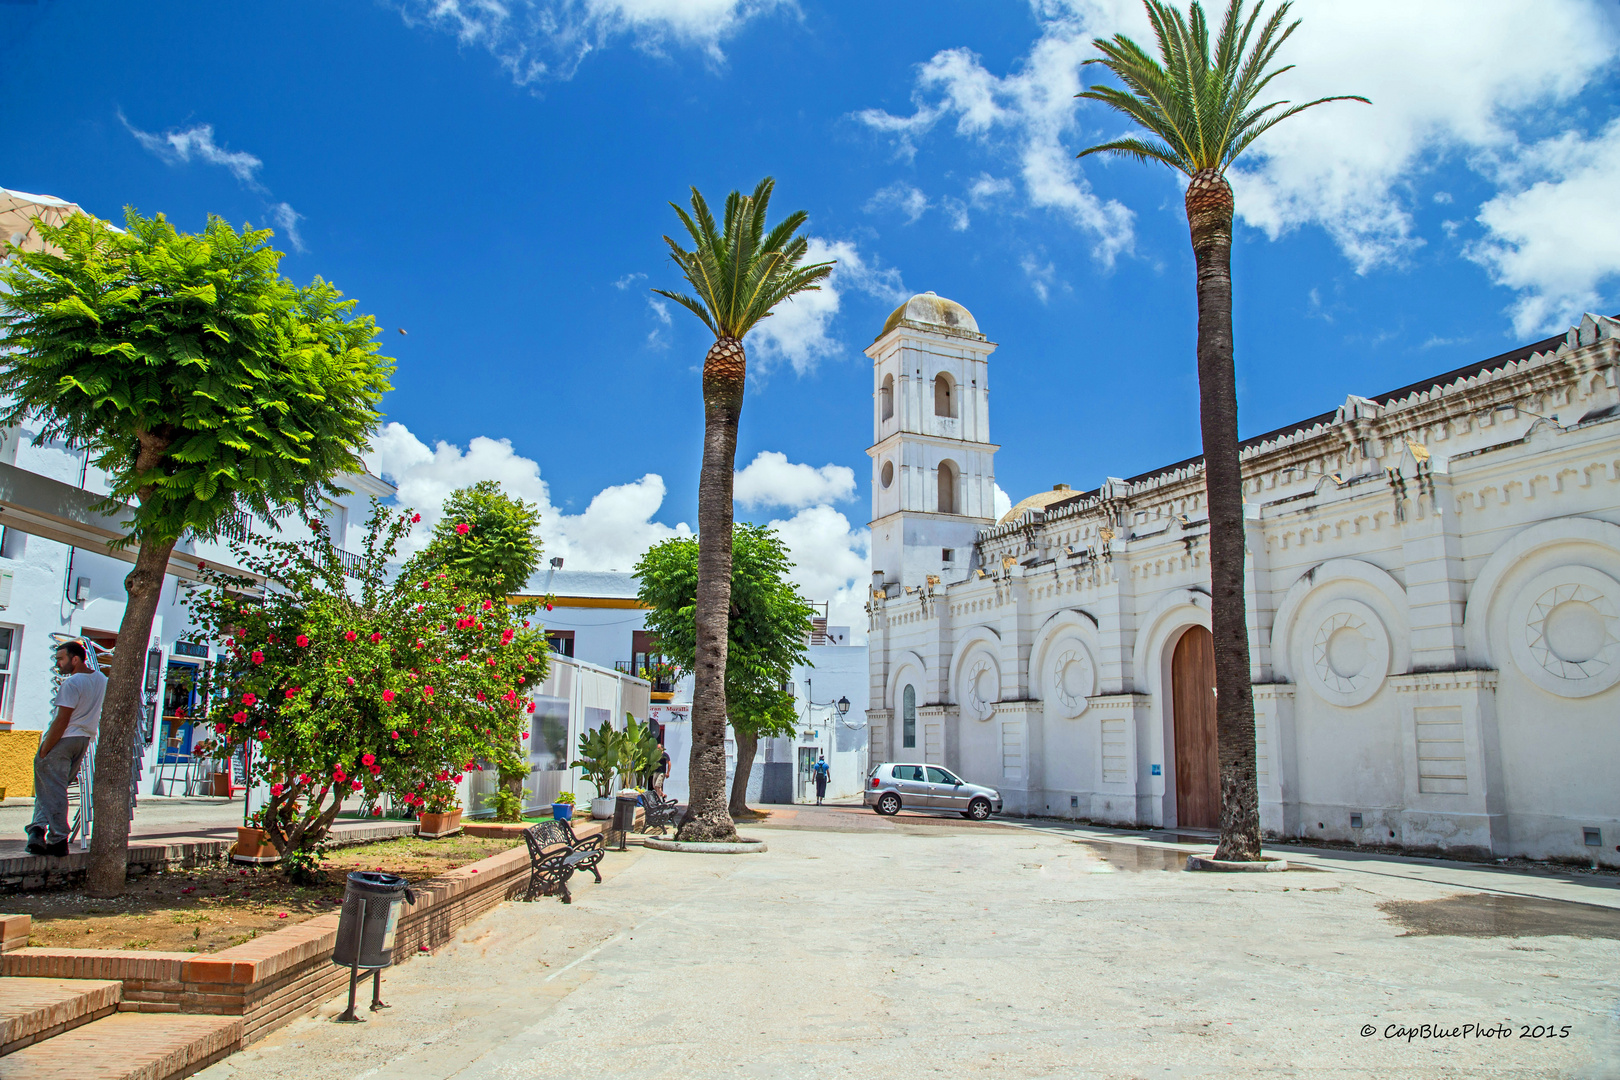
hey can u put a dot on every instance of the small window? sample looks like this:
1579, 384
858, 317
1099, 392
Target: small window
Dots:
561, 642
13, 543
888, 473
944, 396
886, 398
947, 488
947, 554
908, 719
8, 637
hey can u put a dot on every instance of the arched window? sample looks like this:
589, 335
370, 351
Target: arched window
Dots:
944, 396
886, 398
908, 718
947, 488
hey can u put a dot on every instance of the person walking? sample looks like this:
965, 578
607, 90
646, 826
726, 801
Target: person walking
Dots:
821, 771
78, 717
661, 773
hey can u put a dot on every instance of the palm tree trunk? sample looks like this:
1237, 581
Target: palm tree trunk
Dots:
1209, 216
724, 373
120, 717
747, 747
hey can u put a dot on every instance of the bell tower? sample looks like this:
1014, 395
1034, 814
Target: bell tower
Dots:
933, 468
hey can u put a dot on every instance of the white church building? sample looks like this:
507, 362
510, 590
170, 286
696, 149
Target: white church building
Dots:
1433, 591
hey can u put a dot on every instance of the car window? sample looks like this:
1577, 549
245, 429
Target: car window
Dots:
908, 772
939, 776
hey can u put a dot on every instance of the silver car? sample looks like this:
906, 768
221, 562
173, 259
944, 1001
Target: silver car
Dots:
896, 784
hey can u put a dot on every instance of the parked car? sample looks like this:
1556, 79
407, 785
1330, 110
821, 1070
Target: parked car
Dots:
896, 784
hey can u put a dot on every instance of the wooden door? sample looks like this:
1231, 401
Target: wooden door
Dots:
1192, 705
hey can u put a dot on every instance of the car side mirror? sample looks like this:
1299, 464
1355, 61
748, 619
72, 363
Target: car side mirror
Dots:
959, 783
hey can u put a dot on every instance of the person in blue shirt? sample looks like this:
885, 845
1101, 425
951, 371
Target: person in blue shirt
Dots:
820, 771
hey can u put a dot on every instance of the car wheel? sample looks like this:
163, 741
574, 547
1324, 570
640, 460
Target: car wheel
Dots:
978, 809
889, 804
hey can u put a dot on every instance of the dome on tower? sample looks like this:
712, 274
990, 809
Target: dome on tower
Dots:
926, 311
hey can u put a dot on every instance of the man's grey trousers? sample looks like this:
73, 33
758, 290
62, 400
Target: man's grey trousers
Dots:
52, 773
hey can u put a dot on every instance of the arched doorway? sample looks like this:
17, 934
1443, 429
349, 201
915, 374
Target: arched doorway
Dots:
1192, 711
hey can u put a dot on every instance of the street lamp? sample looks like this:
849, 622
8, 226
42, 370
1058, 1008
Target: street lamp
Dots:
842, 705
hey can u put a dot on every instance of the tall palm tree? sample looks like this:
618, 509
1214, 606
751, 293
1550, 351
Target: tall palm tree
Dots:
739, 274
1199, 112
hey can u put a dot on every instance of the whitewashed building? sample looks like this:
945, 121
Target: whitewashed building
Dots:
1434, 607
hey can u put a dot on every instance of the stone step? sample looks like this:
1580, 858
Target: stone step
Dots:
35, 1009
128, 1046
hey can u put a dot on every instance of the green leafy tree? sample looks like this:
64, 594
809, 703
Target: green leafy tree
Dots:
393, 684
1196, 102
204, 384
768, 633
740, 271
486, 535
491, 541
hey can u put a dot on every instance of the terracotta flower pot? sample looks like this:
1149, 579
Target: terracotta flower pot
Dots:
221, 785
434, 826
254, 846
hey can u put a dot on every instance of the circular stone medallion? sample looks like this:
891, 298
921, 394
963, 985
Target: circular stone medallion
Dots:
1564, 631
1349, 653
981, 688
1073, 679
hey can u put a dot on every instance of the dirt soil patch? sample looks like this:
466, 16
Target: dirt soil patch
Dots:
215, 907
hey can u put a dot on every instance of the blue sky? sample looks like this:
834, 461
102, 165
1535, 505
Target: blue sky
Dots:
493, 178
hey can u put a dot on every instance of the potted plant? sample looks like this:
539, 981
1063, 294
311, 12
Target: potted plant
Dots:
599, 752
253, 844
562, 809
441, 811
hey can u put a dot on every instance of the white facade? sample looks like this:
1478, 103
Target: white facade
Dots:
1434, 612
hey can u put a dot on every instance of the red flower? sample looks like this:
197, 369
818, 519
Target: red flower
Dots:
201, 565
249, 699
510, 695
356, 786
444, 775
368, 759
303, 778
241, 633
261, 734
489, 605
375, 638
427, 691
292, 692
271, 638
480, 695
415, 518
507, 635
239, 717
525, 734
531, 706
339, 775
351, 680
276, 789
457, 778
350, 635
463, 529
490, 661
388, 695
376, 770
395, 734
376, 811
548, 607
525, 622
303, 642
256, 656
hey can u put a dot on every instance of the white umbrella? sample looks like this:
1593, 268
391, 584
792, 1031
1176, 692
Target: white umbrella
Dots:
19, 210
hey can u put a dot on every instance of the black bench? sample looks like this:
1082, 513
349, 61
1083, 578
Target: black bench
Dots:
555, 854
659, 811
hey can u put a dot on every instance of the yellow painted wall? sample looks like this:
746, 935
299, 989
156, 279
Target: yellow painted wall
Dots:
17, 750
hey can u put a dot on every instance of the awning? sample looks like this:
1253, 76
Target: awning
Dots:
19, 209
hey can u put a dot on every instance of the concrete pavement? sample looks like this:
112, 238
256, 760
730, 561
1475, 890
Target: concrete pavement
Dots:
868, 947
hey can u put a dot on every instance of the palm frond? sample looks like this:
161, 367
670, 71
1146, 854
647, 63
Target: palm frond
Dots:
1197, 96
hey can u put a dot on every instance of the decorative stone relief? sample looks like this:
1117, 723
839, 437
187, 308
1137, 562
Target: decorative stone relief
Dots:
1564, 631
1349, 653
1073, 678
981, 688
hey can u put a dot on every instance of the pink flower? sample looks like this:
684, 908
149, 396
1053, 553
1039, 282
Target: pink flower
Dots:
356, 786
415, 518
531, 706
444, 775
463, 529
413, 733
339, 775
368, 759
261, 734
490, 661
427, 691
510, 695
507, 635
388, 695
292, 692
525, 734
375, 638
489, 605
457, 778
257, 657
394, 734
376, 811
548, 607
249, 699
303, 642
239, 717
276, 789
351, 680
350, 635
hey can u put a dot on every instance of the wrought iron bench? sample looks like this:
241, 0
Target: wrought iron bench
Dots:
660, 811
555, 854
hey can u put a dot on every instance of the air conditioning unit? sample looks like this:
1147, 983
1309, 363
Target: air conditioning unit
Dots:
81, 590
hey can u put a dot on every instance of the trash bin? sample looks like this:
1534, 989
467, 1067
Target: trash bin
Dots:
624, 816
365, 936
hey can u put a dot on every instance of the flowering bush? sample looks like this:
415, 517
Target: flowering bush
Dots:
350, 683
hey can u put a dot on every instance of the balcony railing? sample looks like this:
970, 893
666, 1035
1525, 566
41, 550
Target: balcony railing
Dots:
662, 679
353, 565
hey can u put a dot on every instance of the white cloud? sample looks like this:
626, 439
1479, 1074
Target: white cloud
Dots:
799, 330
771, 480
611, 534
629, 280
1003, 502
181, 147
1555, 235
1030, 113
833, 563
1041, 276
900, 196
548, 39
986, 187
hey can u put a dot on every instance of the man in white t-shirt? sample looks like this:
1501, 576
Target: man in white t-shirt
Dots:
78, 717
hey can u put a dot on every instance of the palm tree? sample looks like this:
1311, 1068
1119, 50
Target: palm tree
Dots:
739, 275
1199, 111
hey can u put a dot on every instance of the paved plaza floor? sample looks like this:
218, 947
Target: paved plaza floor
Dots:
867, 947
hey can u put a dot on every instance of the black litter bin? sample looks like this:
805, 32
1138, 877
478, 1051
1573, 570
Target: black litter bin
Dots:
624, 816
365, 936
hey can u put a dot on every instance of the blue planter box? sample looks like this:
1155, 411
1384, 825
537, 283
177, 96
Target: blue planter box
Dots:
561, 811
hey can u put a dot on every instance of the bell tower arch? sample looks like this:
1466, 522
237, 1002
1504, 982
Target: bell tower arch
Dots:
933, 467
